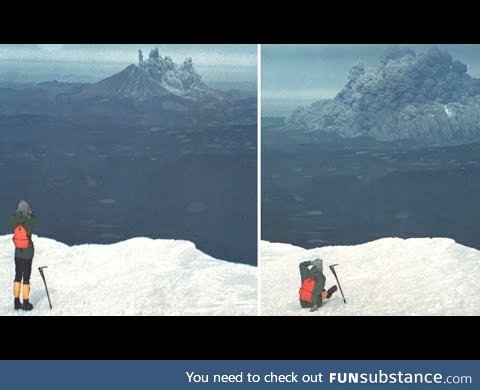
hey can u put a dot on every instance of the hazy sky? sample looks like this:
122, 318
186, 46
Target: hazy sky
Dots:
93, 62
294, 75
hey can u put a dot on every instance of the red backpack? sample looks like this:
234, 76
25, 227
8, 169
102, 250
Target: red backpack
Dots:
306, 290
20, 237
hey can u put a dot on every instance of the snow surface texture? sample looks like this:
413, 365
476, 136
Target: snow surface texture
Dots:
139, 276
390, 276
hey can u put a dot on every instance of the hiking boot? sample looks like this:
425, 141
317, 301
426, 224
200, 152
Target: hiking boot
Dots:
27, 305
17, 304
331, 290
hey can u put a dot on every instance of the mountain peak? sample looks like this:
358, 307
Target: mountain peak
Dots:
178, 79
153, 77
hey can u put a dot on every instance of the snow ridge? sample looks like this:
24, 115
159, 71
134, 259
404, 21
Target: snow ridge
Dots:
140, 276
389, 276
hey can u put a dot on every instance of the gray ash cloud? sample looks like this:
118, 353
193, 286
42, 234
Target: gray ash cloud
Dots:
427, 97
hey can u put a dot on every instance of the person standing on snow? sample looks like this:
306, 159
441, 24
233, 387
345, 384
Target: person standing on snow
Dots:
312, 292
24, 221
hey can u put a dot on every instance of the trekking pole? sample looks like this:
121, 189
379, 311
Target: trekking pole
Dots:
45, 283
334, 273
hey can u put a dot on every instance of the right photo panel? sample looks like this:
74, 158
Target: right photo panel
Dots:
370, 180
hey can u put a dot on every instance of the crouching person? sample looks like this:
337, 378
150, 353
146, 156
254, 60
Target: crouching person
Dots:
312, 291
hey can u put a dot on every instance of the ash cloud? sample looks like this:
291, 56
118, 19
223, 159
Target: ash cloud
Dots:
427, 97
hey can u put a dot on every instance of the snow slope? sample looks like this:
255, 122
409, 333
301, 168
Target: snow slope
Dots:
390, 276
140, 276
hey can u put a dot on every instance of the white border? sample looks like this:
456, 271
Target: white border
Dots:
259, 171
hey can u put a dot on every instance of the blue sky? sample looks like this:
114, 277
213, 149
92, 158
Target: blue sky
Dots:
294, 75
90, 63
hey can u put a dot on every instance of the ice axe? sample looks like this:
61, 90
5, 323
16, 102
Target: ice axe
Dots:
335, 274
45, 283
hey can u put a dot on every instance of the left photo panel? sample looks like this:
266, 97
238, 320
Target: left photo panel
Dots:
129, 179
